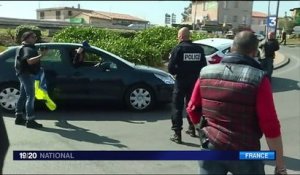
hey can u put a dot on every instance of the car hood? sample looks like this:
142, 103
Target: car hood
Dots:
150, 70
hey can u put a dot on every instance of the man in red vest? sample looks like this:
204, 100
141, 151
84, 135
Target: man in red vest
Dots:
235, 99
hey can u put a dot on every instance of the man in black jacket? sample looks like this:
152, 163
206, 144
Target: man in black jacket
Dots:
267, 50
186, 61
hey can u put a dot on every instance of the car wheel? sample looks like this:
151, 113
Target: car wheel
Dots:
139, 98
9, 95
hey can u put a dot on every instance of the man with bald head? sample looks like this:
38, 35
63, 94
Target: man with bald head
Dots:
186, 61
234, 102
267, 50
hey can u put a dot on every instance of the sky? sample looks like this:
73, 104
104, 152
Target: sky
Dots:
153, 11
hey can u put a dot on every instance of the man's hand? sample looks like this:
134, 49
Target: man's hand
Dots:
43, 52
79, 50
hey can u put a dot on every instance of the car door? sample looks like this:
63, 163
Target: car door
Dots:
105, 75
59, 73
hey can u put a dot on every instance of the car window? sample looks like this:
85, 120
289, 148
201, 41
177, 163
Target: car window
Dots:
9, 55
52, 59
52, 55
227, 50
10, 59
208, 50
94, 58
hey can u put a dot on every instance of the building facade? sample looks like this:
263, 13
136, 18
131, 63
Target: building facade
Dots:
234, 13
296, 15
259, 22
78, 15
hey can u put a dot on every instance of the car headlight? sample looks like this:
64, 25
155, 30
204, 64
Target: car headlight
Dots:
166, 79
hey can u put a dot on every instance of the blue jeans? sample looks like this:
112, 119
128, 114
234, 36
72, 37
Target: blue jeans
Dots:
267, 65
235, 167
27, 96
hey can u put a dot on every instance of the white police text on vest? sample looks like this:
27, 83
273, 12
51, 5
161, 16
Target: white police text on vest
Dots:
191, 56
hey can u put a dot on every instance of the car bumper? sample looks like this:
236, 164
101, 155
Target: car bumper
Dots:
164, 93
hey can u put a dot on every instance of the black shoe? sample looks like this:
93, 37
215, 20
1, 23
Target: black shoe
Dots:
191, 132
33, 124
176, 138
20, 120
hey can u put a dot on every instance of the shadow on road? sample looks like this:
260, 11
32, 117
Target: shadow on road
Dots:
191, 144
81, 134
284, 84
290, 163
293, 45
94, 112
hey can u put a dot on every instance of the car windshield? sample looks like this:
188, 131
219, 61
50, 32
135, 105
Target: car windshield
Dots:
208, 50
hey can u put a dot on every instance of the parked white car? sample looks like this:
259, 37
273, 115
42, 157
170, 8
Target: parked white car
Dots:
260, 37
215, 48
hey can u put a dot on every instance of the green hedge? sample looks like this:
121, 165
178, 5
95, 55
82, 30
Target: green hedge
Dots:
149, 47
2, 48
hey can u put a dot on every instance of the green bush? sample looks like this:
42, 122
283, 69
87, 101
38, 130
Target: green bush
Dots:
2, 48
25, 28
77, 34
149, 47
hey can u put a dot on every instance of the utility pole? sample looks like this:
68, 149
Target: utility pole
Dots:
194, 23
267, 28
278, 3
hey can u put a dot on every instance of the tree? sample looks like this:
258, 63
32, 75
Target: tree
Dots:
287, 23
186, 13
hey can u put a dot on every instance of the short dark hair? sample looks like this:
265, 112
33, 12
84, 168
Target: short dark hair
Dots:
245, 42
26, 35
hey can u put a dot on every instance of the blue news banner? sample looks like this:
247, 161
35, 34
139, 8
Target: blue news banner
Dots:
144, 155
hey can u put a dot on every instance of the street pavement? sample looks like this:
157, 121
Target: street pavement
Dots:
286, 93
106, 128
280, 60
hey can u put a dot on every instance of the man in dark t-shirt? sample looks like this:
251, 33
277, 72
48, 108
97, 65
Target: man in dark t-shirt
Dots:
27, 65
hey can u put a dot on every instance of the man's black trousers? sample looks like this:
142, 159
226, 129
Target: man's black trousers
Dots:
181, 96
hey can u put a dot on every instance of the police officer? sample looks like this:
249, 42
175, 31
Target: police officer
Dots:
186, 61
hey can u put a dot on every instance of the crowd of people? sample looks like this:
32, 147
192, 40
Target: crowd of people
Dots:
229, 105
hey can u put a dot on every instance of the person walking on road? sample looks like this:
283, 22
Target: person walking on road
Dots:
267, 50
186, 61
232, 105
283, 38
27, 66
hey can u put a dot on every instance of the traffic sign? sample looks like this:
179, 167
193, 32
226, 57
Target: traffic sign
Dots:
272, 21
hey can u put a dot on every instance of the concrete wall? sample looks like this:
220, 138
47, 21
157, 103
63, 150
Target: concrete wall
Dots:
51, 14
85, 17
203, 9
239, 10
259, 21
98, 21
258, 28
